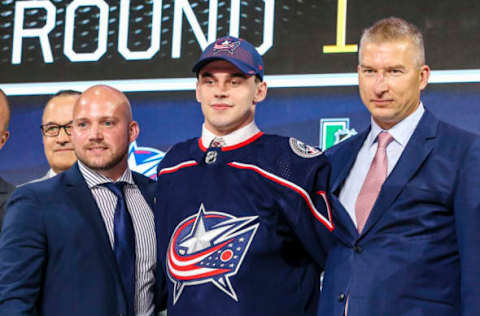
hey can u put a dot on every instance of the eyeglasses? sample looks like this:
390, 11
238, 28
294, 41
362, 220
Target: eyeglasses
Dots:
52, 130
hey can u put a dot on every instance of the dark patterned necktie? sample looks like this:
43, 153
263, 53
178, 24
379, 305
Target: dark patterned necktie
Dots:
124, 243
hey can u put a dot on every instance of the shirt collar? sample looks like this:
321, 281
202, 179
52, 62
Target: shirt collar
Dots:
93, 178
402, 131
51, 173
232, 139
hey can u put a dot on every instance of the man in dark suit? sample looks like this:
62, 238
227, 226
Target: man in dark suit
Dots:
406, 195
56, 132
83, 243
5, 188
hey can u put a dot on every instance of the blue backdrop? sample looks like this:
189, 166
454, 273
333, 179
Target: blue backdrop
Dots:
169, 117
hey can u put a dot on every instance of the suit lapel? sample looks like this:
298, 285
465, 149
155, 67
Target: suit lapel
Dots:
5, 187
3, 192
343, 160
84, 202
415, 153
344, 227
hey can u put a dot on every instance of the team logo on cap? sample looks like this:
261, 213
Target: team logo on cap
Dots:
225, 45
208, 247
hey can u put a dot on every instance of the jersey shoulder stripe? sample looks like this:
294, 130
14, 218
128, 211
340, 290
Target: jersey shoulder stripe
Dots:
185, 164
328, 222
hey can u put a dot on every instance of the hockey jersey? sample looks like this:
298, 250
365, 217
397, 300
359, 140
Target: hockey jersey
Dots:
242, 230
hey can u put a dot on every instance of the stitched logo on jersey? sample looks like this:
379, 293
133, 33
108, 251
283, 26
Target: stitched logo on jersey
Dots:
302, 149
208, 247
211, 157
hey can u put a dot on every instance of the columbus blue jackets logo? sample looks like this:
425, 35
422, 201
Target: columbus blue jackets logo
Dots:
302, 149
226, 46
144, 160
209, 247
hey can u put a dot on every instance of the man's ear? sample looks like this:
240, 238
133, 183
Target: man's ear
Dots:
197, 93
424, 75
133, 131
261, 92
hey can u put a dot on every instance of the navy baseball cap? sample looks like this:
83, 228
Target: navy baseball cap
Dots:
236, 51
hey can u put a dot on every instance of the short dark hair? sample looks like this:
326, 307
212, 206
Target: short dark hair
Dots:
7, 107
66, 92
60, 93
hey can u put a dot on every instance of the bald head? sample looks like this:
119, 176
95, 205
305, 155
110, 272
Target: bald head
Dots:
4, 118
102, 130
107, 96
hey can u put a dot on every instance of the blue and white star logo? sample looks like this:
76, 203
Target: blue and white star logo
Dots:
144, 160
209, 247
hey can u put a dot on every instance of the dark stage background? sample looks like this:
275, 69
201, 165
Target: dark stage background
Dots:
147, 49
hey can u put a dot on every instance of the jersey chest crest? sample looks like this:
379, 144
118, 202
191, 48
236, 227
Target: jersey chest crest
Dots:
209, 247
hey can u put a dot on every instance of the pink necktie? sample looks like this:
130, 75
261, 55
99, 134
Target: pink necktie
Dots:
373, 182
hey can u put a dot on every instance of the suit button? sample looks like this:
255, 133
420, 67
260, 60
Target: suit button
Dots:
341, 297
357, 249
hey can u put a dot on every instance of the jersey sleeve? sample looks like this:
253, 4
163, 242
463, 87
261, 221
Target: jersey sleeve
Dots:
309, 210
296, 177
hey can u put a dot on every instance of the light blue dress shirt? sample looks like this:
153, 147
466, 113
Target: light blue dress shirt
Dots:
401, 133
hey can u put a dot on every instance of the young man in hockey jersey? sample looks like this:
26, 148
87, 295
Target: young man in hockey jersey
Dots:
242, 217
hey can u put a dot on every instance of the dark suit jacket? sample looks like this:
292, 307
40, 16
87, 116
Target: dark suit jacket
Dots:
419, 253
5, 190
55, 255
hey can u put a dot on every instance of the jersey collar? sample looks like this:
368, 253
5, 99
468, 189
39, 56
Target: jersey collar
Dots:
238, 138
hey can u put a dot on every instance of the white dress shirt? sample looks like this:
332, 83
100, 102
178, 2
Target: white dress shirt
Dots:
234, 138
401, 133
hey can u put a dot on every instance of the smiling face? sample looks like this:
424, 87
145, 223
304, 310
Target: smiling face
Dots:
59, 149
103, 129
390, 80
227, 96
